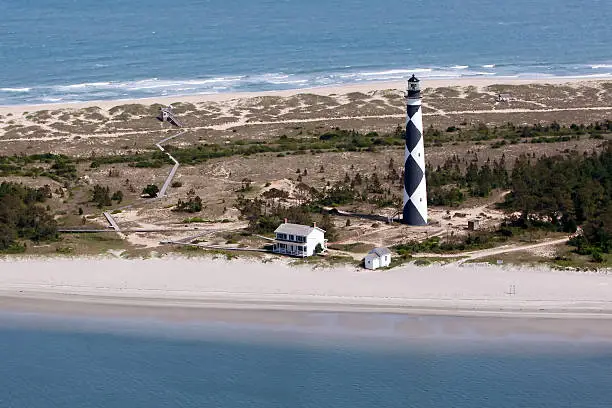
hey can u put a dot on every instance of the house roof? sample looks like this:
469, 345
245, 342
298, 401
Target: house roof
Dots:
296, 229
379, 252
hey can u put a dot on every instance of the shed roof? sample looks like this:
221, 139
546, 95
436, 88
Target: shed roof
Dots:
296, 229
379, 251
371, 256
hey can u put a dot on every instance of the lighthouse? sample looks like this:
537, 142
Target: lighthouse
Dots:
415, 191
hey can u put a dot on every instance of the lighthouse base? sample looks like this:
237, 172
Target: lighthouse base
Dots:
412, 216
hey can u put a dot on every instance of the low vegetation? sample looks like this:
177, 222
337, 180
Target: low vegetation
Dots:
475, 241
57, 167
61, 167
560, 193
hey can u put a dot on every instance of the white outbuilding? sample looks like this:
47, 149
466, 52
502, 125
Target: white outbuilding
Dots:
377, 258
298, 240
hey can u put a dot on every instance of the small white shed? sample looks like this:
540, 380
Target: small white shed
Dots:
377, 258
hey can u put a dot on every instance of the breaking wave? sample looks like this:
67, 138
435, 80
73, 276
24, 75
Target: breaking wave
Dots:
19, 90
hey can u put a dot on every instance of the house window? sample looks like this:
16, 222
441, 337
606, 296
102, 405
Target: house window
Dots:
291, 238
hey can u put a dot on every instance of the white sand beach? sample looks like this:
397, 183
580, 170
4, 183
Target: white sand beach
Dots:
218, 283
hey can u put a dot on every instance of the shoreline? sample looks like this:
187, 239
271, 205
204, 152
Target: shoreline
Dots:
277, 321
323, 91
120, 305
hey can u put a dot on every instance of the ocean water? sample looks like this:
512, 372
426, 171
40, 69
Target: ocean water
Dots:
83, 366
73, 50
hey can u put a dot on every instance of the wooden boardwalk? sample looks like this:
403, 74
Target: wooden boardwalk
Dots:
112, 221
164, 188
114, 227
123, 231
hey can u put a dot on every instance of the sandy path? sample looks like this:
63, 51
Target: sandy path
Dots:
484, 253
505, 249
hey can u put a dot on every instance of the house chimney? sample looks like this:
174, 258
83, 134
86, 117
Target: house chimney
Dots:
314, 224
285, 220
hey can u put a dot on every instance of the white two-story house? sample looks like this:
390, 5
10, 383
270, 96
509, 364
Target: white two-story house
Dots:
298, 240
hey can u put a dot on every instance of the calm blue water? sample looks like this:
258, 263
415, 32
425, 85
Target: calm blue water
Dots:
69, 50
44, 367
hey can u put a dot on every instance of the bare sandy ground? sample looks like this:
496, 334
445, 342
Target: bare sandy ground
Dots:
325, 91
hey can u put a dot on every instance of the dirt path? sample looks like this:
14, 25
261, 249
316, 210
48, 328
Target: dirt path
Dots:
505, 249
473, 255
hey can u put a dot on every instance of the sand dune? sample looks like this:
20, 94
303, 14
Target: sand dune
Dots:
325, 90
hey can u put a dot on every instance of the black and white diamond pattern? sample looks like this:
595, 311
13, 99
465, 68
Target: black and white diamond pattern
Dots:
413, 174
415, 136
412, 215
415, 194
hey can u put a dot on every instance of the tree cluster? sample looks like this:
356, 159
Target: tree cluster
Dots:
456, 179
566, 192
102, 198
150, 190
265, 215
22, 215
192, 205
